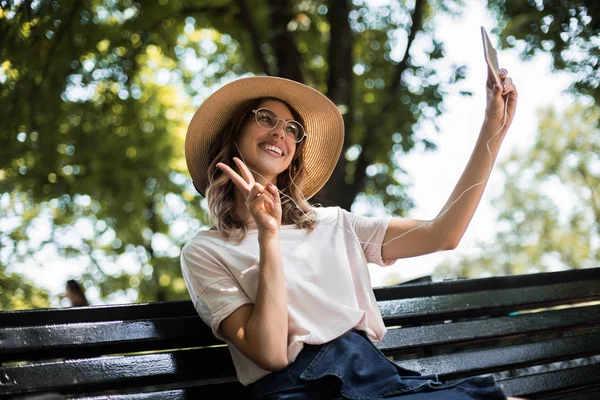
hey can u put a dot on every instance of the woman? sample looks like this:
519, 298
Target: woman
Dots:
285, 284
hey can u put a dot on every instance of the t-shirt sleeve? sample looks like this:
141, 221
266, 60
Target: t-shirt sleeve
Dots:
371, 232
214, 291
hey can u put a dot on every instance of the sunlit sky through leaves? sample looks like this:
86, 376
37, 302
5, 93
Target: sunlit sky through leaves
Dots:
432, 174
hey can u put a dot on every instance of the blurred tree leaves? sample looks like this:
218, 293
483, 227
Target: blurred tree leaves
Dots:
568, 30
18, 293
97, 94
550, 208
92, 141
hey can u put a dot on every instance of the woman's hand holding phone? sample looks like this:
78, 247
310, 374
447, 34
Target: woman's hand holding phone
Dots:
501, 93
263, 202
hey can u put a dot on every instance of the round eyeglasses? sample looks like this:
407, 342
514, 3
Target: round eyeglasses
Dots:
267, 119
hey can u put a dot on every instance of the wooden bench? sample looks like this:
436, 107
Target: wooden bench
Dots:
524, 329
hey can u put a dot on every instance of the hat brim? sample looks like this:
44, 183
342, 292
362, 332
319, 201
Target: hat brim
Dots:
323, 123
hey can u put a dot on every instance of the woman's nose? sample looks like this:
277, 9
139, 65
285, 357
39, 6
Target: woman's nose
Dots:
279, 130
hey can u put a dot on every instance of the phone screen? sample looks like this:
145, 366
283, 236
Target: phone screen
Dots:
491, 56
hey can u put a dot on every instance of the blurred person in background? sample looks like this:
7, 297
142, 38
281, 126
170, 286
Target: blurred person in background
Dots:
76, 294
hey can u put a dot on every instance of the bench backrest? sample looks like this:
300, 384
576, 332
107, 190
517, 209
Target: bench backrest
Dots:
510, 326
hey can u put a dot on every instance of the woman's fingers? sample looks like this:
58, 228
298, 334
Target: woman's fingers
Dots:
244, 170
259, 196
256, 191
274, 192
508, 86
491, 81
268, 200
237, 180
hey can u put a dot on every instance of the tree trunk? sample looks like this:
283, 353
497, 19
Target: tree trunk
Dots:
340, 192
287, 55
339, 85
245, 17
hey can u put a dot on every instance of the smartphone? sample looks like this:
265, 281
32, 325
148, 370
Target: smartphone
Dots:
491, 57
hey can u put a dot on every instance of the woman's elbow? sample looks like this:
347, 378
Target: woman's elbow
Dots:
274, 364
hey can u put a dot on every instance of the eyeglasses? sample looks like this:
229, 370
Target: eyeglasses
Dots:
267, 119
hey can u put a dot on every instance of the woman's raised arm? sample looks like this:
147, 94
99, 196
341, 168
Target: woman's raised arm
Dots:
260, 331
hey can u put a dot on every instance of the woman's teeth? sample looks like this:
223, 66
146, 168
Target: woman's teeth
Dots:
272, 149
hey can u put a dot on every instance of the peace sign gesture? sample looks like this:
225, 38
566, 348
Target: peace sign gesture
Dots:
263, 203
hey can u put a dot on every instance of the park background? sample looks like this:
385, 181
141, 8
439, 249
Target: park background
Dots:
96, 96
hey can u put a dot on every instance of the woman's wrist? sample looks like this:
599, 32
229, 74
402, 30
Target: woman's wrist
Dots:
491, 127
267, 234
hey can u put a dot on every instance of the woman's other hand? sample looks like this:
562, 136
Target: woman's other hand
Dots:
263, 202
500, 101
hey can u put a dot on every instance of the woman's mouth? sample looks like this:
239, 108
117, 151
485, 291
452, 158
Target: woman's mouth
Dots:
272, 150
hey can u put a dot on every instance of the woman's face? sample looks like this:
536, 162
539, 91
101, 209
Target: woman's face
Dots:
256, 143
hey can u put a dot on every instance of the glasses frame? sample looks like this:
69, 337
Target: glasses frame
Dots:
285, 121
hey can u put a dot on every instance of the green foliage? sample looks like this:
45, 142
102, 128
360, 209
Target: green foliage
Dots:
18, 293
92, 139
568, 30
97, 96
550, 208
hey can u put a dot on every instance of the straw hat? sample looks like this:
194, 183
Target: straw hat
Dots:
323, 124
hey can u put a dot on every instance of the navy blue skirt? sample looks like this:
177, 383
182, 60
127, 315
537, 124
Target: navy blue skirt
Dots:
352, 367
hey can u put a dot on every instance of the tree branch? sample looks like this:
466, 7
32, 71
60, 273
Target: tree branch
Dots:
203, 10
365, 158
59, 34
94, 262
287, 55
417, 25
587, 180
6, 25
339, 90
245, 17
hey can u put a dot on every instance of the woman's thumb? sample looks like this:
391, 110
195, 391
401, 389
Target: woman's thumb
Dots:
496, 89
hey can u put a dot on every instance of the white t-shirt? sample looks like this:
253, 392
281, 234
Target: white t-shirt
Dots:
328, 285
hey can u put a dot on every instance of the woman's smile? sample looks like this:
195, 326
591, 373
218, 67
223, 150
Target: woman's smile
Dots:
272, 149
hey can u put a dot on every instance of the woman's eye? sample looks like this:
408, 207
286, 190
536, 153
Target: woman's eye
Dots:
292, 129
266, 118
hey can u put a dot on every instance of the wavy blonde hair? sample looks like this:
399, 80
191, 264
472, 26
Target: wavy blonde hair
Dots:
221, 194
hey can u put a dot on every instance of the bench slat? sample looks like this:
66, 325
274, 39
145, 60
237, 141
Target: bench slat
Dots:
565, 381
183, 394
196, 393
594, 395
171, 309
459, 286
218, 391
579, 383
99, 338
96, 339
120, 372
402, 340
501, 358
109, 312
554, 385
482, 303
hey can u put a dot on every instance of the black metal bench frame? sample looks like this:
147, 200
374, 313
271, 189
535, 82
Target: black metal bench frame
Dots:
538, 334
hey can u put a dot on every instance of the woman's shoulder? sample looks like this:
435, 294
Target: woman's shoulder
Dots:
205, 248
328, 212
204, 239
